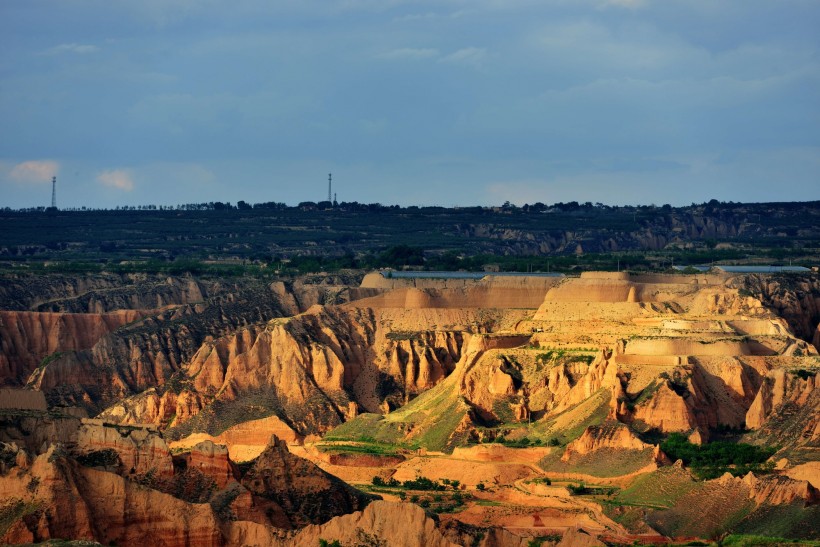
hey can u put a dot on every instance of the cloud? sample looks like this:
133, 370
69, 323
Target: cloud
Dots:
468, 55
116, 178
629, 4
409, 53
34, 172
80, 49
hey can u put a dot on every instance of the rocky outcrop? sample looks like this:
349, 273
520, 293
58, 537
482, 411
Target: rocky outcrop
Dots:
779, 490
35, 431
139, 450
245, 441
156, 406
688, 398
78, 491
608, 435
795, 298
394, 524
578, 537
781, 387
211, 460
292, 492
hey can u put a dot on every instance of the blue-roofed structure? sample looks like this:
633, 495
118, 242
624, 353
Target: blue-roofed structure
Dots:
698, 268
762, 269
412, 274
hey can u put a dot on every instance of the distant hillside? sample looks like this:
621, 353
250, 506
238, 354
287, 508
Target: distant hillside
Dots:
312, 237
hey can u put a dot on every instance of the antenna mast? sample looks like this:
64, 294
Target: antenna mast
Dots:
329, 180
53, 192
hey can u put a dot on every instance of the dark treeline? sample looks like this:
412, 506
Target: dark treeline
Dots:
711, 206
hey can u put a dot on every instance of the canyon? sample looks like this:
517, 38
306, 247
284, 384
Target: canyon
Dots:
242, 411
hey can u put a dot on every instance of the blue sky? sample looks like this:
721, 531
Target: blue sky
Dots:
409, 102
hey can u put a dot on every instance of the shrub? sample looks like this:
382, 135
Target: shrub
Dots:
713, 459
577, 489
423, 483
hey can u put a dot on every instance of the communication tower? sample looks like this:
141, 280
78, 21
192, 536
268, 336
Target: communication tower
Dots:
53, 192
329, 181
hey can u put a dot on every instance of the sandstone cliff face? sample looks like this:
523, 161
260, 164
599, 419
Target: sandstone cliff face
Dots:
796, 298
27, 338
139, 451
149, 352
779, 490
316, 367
786, 409
211, 460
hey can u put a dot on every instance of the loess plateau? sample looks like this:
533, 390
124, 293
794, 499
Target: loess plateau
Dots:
604, 409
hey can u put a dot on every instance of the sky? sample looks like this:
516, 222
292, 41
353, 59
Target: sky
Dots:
439, 102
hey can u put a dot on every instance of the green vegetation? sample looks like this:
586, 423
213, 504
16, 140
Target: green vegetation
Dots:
743, 540
106, 457
660, 489
367, 446
804, 374
565, 356
423, 483
445, 502
716, 458
50, 359
13, 510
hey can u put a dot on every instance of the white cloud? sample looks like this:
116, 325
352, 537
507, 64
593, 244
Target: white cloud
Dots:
34, 172
468, 55
410, 53
79, 49
116, 178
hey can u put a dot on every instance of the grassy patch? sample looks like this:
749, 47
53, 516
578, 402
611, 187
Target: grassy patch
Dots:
607, 462
660, 489
374, 448
488, 503
787, 520
371, 427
